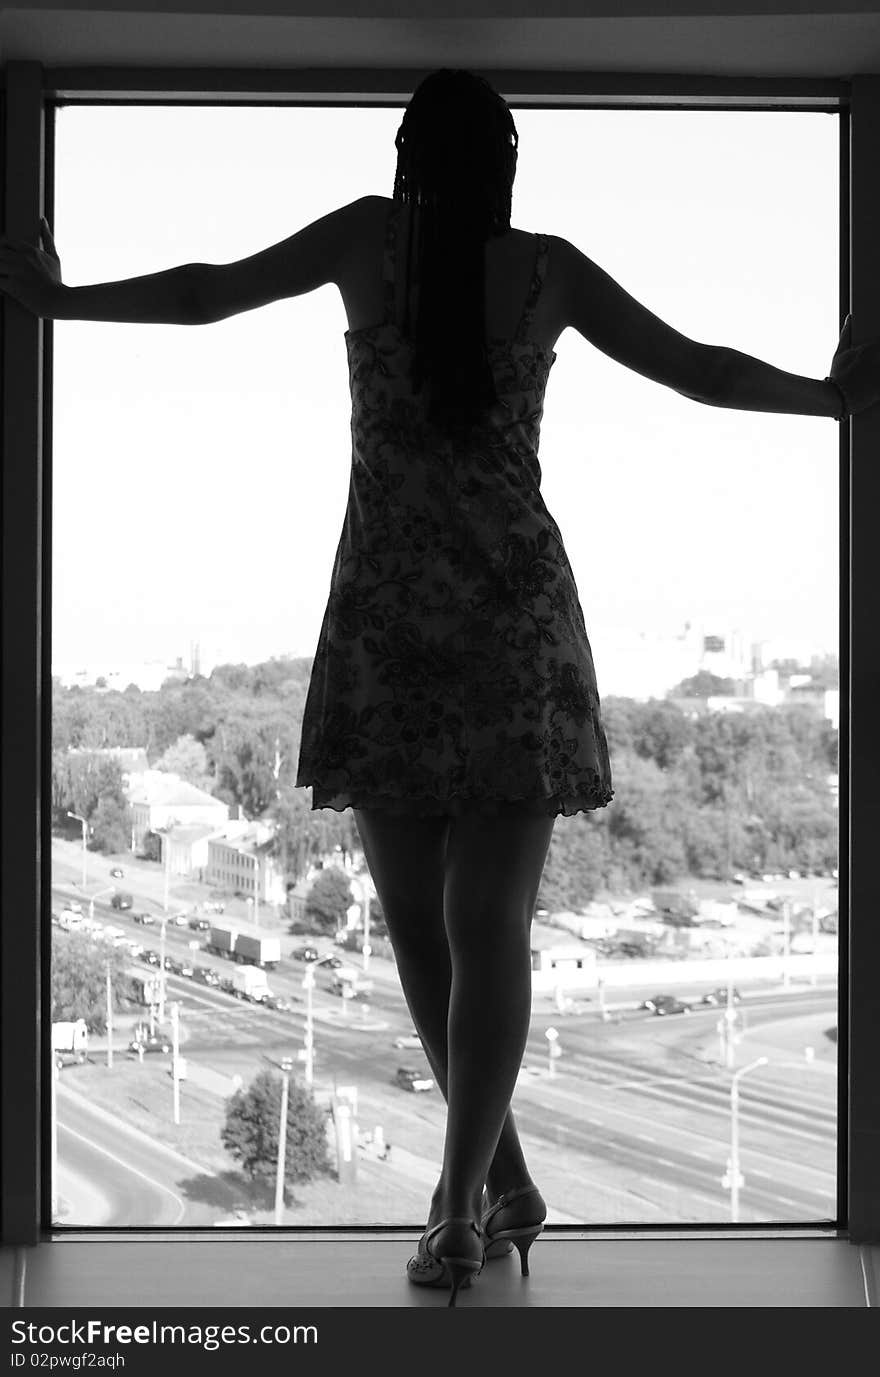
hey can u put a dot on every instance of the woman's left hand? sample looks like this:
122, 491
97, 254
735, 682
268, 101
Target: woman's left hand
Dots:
31, 276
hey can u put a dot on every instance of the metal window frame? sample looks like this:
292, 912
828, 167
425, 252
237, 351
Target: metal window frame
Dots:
28, 96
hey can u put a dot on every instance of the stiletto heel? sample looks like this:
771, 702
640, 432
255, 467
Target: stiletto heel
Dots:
523, 1243
502, 1241
451, 1268
459, 1271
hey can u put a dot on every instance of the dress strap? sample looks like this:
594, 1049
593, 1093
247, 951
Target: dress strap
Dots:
388, 259
542, 249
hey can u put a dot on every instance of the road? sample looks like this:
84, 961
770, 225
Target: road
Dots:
110, 1174
633, 1123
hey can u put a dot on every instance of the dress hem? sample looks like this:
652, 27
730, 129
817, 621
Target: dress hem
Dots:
455, 805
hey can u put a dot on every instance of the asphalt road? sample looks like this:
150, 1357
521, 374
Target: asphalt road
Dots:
633, 1123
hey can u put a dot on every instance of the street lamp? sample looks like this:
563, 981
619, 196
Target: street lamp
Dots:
163, 922
308, 986
84, 834
286, 1066
100, 893
553, 1049
735, 1180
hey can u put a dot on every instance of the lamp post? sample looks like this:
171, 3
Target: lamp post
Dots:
286, 1065
162, 922
308, 986
85, 826
109, 890
553, 1048
109, 996
166, 856
175, 1059
733, 1169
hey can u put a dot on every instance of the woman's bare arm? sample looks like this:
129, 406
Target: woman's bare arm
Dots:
599, 309
163, 298
192, 293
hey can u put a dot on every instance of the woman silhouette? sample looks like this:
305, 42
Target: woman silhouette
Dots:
453, 702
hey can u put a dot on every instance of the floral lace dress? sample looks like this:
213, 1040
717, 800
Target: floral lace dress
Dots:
453, 670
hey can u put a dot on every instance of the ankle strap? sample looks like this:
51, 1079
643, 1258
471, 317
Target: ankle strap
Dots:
453, 1219
507, 1198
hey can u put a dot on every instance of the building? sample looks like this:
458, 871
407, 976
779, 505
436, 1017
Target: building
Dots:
562, 966
159, 800
241, 861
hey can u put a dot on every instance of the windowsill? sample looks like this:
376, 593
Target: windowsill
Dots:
783, 1269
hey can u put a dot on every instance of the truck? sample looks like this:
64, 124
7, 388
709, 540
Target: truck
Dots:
249, 982
70, 1039
350, 984
244, 945
148, 988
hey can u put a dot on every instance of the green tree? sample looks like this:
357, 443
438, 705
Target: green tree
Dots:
79, 980
328, 900
187, 758
250, 1133
703, 685
111, 825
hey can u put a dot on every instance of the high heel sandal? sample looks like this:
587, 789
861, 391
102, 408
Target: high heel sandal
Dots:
503, 1240
449, 1268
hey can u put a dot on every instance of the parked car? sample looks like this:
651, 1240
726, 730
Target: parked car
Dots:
179, 920
719, 996
117, 873
409, 1040
150, 1042
334, 962
279, 1003
305, 953
146, 918
410, 1079
662, 1004
151, 957
200, 924
206, 975
121, 900
183, 967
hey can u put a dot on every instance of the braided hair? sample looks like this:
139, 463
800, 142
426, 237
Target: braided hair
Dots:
456, 159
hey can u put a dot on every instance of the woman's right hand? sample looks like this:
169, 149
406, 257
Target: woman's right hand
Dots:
856, 370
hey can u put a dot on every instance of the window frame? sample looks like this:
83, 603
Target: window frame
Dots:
29, 94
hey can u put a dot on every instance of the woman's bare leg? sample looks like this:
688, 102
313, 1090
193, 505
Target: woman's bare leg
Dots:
493, 870
406, 857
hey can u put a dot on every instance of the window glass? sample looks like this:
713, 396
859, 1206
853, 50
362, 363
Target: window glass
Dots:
214, 939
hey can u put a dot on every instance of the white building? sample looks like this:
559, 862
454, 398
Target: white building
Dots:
159, 800
560, 967
240, 861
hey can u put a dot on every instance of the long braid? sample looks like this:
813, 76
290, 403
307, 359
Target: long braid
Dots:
456, 161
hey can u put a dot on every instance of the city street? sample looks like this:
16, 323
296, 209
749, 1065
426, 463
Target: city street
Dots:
631, 1122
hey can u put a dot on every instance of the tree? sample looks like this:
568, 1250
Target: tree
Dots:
250, 1133
188, 759
703, 685
79, 981
111, 825
329, 899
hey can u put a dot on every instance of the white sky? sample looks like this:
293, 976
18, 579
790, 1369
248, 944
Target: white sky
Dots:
201, 473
